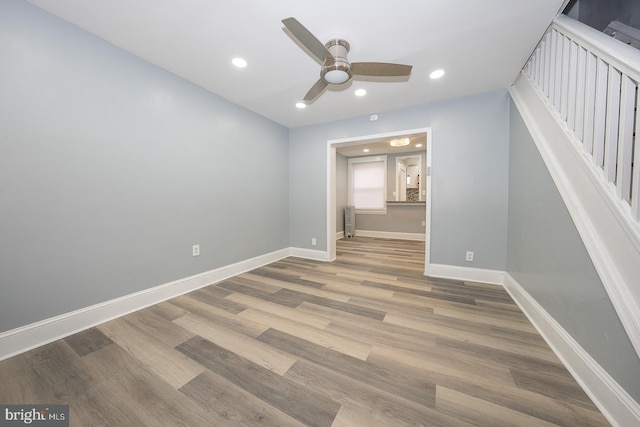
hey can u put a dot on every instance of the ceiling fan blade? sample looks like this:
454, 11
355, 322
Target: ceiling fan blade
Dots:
308, 40
315, 90
382, 69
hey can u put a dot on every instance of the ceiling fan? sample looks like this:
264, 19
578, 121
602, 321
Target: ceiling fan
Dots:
336, 68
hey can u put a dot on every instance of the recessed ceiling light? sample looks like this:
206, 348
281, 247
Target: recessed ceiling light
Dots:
239, 62
301, 105
366, 150
360, 92
436, 74
418, 145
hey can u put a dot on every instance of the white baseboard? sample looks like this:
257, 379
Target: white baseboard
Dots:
614, 402
464, 273
340, 235
313, 254
30, 336
391, 235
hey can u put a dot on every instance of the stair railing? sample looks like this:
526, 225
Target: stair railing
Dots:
591, 81
578, 94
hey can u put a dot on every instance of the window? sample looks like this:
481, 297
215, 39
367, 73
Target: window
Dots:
368, 183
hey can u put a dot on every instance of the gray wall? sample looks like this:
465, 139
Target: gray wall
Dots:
111, 168
399, 219
547, 257
470, 174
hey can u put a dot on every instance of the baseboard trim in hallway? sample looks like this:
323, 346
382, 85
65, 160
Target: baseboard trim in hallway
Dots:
313, 254
420, 237
614, 402
494, 277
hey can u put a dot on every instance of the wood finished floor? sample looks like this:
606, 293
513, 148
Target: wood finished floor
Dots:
364, 341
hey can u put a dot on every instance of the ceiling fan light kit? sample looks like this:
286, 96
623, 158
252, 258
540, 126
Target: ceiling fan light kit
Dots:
336, 68
336, 74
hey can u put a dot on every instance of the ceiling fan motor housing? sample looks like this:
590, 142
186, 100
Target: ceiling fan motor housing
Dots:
337, 70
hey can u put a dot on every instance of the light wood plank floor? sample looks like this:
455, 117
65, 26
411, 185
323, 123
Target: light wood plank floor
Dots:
364, 341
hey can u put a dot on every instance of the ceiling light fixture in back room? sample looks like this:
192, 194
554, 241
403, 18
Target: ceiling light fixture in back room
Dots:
399, 142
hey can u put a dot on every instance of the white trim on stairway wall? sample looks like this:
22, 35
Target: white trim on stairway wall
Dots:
613, 247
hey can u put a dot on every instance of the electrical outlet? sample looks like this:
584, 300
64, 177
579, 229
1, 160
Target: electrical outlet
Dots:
195, 250
424, 223
469, 256
313, 241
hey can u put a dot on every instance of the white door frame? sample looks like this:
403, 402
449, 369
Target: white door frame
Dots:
331, 186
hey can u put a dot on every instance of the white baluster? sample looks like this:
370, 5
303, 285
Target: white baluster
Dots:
625, 144
540, 61
536, 67
564, 82
558, 71
581, 73
612, 124
551, 67
546, 62
572, 86
635, 174
590, 102
600, 116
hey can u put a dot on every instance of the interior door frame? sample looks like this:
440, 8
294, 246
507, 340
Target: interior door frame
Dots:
332, 144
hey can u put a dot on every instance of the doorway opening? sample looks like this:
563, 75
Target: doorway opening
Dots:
376, 140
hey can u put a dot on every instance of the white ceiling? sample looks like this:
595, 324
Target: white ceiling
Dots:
482, 45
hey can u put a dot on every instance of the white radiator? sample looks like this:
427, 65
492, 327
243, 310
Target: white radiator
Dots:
349, 221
